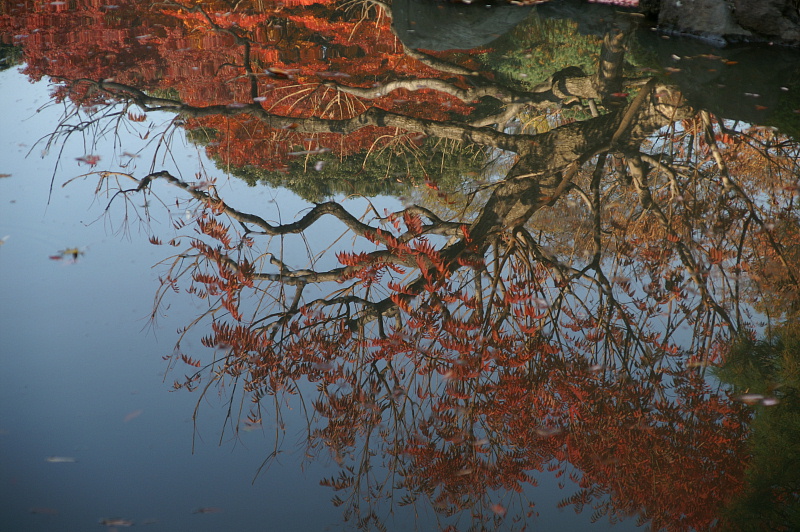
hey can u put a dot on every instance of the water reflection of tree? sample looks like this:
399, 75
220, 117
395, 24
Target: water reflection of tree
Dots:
463, 349
766, 372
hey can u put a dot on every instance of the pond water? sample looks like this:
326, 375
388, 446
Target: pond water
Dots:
318, 266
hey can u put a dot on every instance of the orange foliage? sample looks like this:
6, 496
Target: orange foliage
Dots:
202, 55
482, 402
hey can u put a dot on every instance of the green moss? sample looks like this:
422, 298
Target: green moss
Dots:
538, 47
384, 172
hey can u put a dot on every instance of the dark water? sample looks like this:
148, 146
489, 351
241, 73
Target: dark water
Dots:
581, 315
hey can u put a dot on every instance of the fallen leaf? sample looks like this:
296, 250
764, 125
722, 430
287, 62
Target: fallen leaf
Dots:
44, 511
750, 398
499, 509
116, 521
132, 415
207, 510
91, 160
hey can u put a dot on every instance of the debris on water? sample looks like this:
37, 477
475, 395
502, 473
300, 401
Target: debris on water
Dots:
43, 511
546, 432
207, 510
499, 509
132, 415
116, 521
66, 253
750, 398
91, 160
309, 152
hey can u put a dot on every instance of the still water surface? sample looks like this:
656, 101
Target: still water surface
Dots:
566, 353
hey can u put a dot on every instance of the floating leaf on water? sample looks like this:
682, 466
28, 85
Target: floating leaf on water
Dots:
91, 160
546, 432
333, 74
539, 303
710, 56
207, 510
322, 366
282, 72
770, 401
116, 521
309, 152
43, 511
68, 252
60, 459
249, 426
499, 509
749, 398
132, 415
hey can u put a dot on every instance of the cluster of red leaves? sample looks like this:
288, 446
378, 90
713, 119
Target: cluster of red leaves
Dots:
415, 250
228, 276
180, 49
246, 141
478, 395
501, 401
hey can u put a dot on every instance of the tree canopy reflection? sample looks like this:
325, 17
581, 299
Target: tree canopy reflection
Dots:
551, 305
757, 369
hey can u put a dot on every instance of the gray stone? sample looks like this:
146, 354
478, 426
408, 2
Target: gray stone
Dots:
770, 18
699, 16
432, 25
